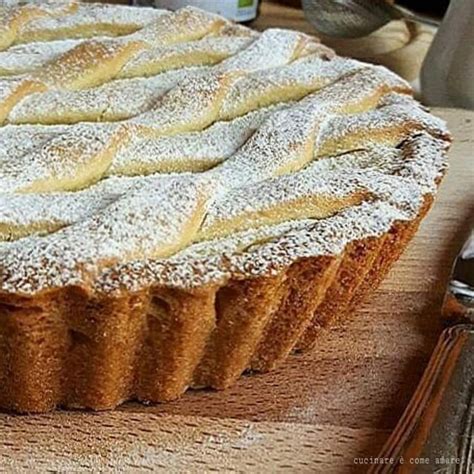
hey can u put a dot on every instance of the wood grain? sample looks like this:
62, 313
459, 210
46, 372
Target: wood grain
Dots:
315, 414
438, 422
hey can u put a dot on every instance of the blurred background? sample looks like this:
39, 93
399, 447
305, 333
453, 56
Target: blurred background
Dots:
434, 7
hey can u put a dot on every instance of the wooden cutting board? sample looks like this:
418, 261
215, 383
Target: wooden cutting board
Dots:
317, 413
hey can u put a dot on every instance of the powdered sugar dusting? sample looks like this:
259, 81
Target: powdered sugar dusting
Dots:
342, 140
195, 151
208, 50
186, 24
291, 81
273, 48
44, 212
115, 100
62, 157
27, 57
384, 126
89, 20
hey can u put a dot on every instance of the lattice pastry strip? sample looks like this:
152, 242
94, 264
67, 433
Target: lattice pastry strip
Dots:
188, 152
295, 196
14, 19
196, 103
94, 62
290, 82
12, 90
273, 48
62, 106
192, 105
186, 24
73, 159
11, 20
112, 101
206, 51
88, 64
49, 212
302, 195
361, 91
27, 57
384, 126
294, 148
88, 20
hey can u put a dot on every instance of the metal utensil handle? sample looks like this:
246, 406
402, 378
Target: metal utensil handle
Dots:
459, 301
436, 431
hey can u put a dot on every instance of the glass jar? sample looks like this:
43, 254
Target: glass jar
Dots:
241, 11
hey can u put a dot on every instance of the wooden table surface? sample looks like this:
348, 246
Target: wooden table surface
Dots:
317, 413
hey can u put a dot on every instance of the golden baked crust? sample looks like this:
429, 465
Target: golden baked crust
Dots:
183, 199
